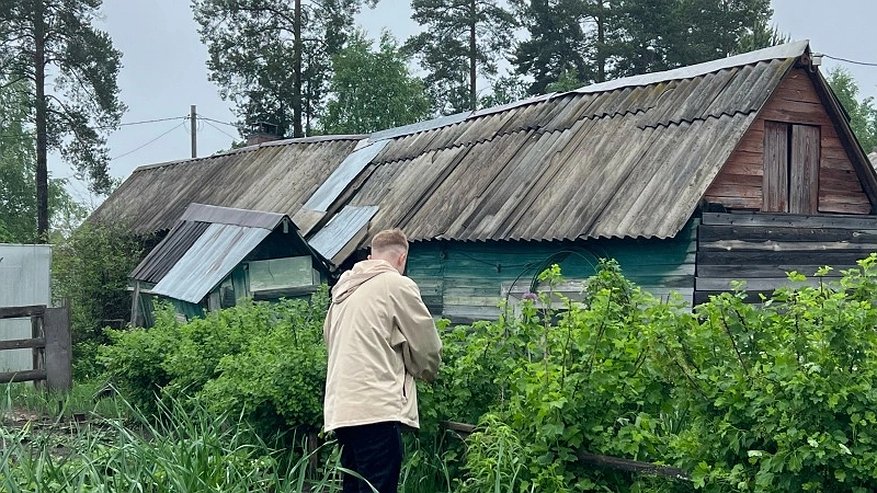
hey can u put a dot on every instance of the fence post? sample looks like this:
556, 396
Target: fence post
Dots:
58, 361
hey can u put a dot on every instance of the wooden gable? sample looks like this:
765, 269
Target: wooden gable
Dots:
791, 159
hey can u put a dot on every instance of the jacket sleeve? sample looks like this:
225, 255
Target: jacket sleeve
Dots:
421, 346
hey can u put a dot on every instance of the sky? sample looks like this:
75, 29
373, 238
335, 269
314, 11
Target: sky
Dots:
164, 70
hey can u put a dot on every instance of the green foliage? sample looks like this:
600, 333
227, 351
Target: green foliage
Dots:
190, 450
745, 398
506, 89
263, 361
461, 40
566, 82
601, 40
771, 397
90, 270
18, 198
372, 90
862, 112
271, 60
277, 379
81, 101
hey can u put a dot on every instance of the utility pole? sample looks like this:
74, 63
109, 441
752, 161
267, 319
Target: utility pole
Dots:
193, 125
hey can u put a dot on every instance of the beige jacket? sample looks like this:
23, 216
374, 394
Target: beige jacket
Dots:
379, 336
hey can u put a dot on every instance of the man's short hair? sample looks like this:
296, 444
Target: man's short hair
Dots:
389, 238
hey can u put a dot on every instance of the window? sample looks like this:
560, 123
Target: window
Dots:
279, 277
791, 168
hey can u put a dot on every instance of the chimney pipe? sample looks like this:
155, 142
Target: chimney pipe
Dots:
263, 132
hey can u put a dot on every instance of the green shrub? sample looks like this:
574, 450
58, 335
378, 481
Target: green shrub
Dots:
259, 359
135, 359
278, 378
90, 270
772, 397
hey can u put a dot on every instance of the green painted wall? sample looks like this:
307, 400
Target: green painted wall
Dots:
464, 280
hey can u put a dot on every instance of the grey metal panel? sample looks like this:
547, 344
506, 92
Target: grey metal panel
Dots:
25, 279
228, 215
352, 165
443, 121
171, 249
209, 260
341, 229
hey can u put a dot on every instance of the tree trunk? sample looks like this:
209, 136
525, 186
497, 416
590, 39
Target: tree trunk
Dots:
473, 55
42, 174
296, 81
601, 42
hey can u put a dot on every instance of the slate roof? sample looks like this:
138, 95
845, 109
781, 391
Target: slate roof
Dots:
626, 158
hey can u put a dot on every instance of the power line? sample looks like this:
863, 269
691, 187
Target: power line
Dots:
105, 127
132, 151
847, 60
217, 128
145, 122
202, 117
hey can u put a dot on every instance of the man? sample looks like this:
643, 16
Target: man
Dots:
379, 337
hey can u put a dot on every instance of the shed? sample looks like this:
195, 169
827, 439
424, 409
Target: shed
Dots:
738, 168
215, 256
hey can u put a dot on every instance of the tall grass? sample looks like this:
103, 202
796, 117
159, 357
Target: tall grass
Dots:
186, 450
82, 399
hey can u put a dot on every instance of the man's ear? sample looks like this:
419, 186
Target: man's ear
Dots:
369, 257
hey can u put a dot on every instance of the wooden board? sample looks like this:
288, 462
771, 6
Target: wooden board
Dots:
761, 249
776, 168
795, 102
804, 170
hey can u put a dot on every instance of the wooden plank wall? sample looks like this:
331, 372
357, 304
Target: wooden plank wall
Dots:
466, 281
761, 248
739, 184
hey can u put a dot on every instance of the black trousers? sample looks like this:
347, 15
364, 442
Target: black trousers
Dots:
374, 452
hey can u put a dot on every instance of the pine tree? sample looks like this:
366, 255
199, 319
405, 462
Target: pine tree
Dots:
461, 41
70, 69
595, 40
272, 59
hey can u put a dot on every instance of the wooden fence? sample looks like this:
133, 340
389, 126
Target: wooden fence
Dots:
51, 344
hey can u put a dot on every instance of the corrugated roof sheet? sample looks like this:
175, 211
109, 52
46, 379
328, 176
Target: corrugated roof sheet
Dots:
230, 215
333, 237
625, 158
273, 177
191, 228
168, 252
209, 260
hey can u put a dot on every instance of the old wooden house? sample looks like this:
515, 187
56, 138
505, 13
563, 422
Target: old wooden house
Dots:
214, 256
739, 168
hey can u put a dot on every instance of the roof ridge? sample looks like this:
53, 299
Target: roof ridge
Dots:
788, 50
240, 150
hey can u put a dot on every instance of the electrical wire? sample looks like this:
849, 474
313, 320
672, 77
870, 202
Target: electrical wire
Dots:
145, 122
105, 127
132, 151
847, 60
218, 129
214, 120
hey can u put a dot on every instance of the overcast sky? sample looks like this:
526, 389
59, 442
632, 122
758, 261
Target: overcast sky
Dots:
164, 69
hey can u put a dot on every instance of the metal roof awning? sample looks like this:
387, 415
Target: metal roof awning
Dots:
208, 261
